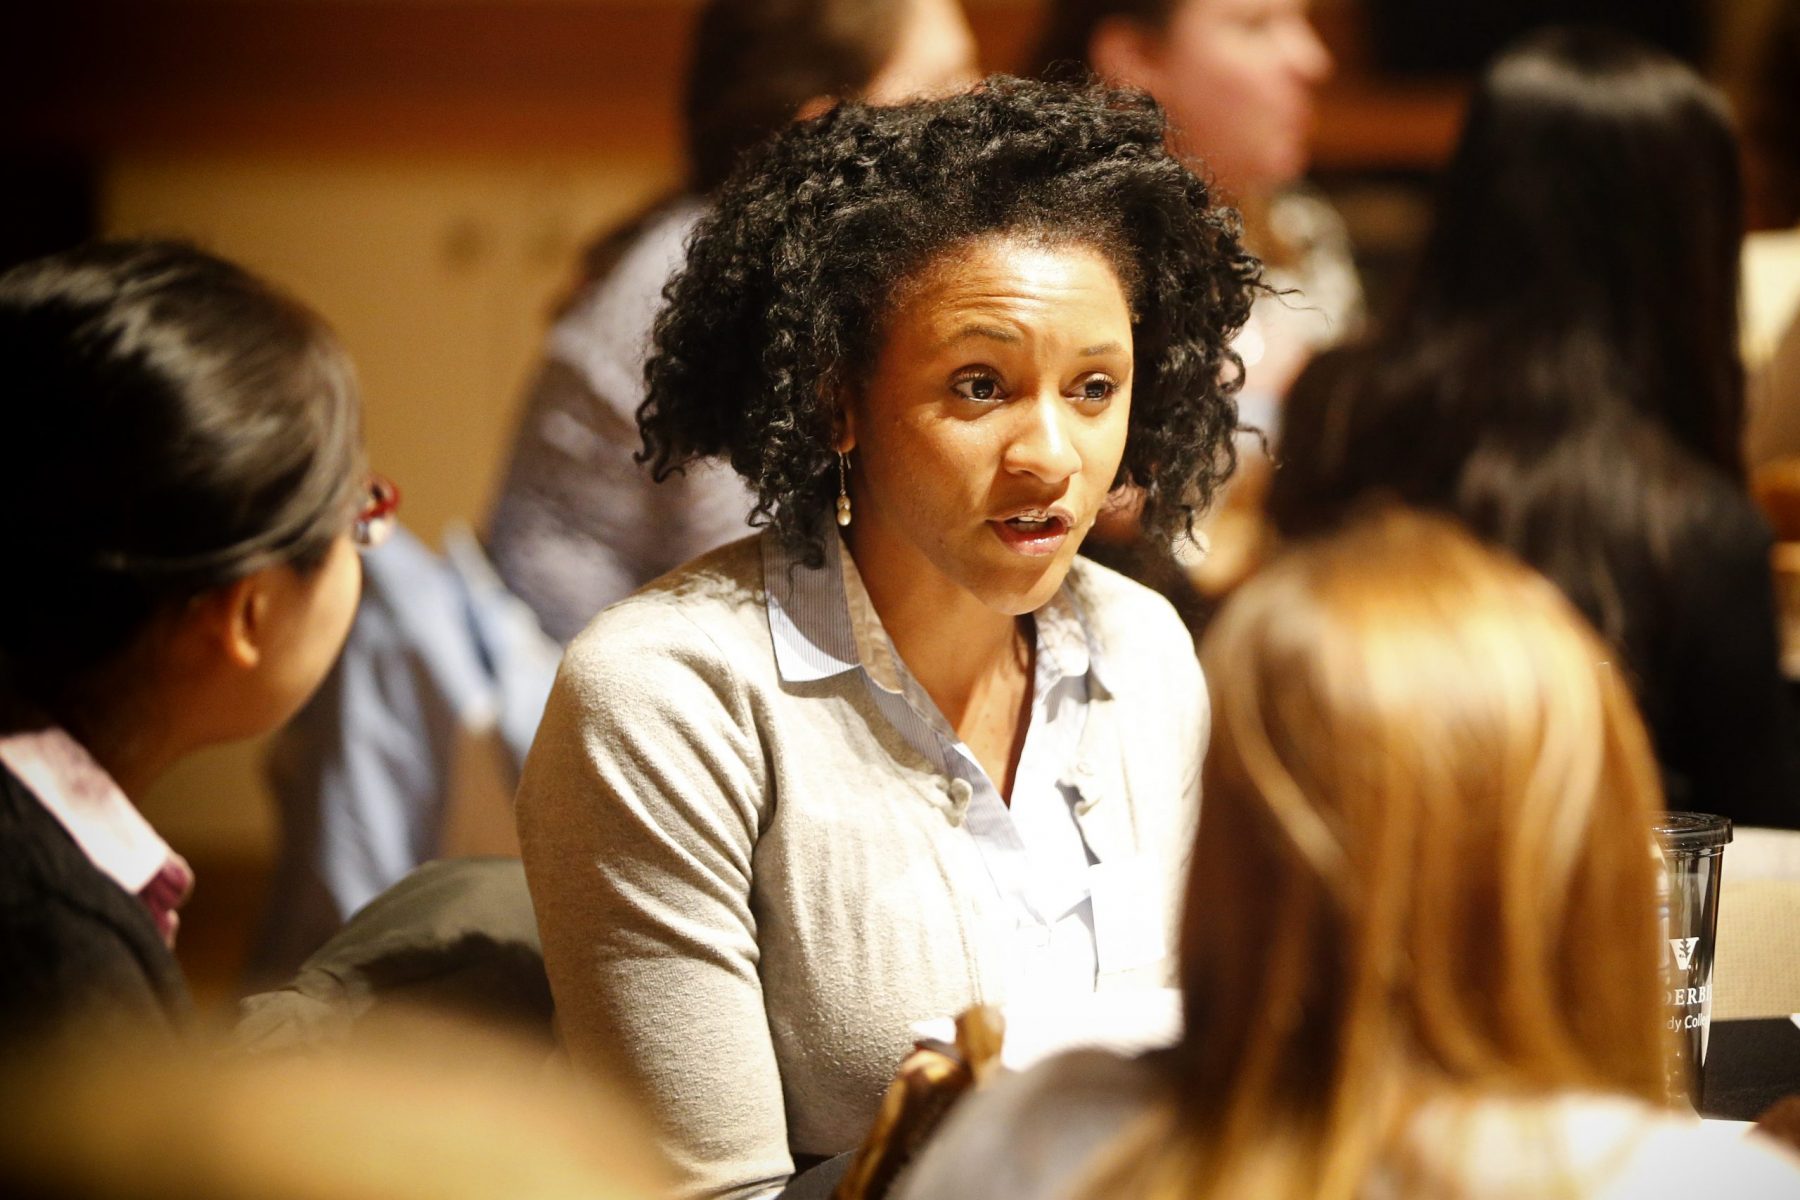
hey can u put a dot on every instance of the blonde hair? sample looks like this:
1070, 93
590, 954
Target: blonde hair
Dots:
1423, 869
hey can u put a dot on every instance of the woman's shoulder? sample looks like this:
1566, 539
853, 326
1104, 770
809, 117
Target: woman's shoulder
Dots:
1144, 651
1593, 1146
1080, 1084
1123, 613
43, 861
1700, 520
716, 600
71, 940
1029, 1136
605, 333
1723, 511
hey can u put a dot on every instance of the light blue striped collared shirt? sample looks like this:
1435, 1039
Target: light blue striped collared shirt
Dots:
823, 624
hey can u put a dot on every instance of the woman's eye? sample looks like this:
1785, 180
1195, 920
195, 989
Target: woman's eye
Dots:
1098, 388
978, 387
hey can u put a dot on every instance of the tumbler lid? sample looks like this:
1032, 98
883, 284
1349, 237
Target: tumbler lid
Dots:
1686, 832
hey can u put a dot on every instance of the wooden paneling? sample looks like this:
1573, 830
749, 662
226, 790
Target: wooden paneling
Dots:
483, 77
213, 74
477, 76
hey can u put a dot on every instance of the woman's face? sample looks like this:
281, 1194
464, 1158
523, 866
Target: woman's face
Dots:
309, 617
1237, 78
992, 428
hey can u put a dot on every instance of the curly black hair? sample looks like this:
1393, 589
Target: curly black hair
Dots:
778, 314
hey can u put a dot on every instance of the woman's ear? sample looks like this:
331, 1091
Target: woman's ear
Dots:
843, 434
234, 620
1126, 52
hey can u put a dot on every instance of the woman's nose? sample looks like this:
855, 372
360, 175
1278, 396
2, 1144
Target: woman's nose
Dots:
1043, 445
1307, 52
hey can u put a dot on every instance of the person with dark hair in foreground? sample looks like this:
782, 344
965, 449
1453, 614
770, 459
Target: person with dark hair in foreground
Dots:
1563, 376
1420, 949
902, 751
182, 494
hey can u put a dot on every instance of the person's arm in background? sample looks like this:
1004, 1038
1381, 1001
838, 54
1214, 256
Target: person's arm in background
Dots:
578, 522
575, 519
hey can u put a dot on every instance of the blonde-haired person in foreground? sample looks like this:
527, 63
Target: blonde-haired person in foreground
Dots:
1419, 948
411, 1107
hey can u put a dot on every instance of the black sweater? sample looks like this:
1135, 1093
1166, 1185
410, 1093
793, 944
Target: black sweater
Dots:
73, 943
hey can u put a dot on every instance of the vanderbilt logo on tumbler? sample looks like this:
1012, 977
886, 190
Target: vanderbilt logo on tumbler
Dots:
1692, 845
1683, 949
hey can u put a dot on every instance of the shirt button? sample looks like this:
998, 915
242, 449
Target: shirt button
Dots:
961, 793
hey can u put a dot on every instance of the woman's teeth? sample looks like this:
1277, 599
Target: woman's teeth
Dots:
1035, 536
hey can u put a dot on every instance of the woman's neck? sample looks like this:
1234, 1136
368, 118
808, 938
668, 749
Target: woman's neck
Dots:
135, 752
955, 646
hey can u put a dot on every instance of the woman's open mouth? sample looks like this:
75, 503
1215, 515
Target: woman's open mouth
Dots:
1032, 533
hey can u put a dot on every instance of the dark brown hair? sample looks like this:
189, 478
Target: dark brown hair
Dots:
1069, 29
752, 65
1545, 336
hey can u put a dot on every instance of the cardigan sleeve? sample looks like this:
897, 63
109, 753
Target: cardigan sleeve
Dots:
638, 815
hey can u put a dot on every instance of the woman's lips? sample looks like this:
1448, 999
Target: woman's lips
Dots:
1032, 536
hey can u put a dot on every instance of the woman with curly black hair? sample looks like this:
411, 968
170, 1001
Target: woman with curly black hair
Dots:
902, 752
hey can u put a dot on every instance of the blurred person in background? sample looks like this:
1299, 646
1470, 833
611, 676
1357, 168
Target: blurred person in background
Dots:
1563, 376
182, 498
444, 663
1238, 79
1420, 950
857, 771
579, 523
1762, 74
406, 1109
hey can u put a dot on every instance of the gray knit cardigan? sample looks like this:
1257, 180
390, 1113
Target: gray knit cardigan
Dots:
749, 889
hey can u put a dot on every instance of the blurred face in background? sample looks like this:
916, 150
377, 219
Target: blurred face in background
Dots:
934, 54
1237, 78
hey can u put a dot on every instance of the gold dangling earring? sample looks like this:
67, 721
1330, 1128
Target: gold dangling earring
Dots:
843, 503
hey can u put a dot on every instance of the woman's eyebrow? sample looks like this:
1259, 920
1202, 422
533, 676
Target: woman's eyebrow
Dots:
993, 333
1102, 348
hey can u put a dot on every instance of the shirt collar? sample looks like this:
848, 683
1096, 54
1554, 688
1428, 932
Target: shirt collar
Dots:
808, 618
86, 802
823, 624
